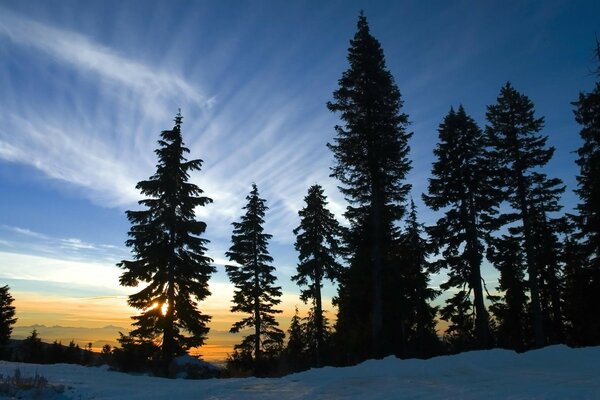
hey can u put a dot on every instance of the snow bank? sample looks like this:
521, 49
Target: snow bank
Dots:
555, 372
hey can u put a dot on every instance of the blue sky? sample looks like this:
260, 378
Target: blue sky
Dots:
86, 88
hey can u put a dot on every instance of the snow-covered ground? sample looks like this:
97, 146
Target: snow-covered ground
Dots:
555, 372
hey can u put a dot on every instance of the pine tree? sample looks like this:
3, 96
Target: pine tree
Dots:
255, 291
587, 114
417, 336
7, 314
462, 186
518, 150
371, 151
169, 254
317, 242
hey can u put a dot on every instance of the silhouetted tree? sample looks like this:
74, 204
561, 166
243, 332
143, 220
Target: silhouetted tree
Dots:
582, 325
371, 151
587, 114
518, 150
462, 185
417, 335
106, 354
512, 320
7, 314
318, 244
169, 254
135, 355
255, 291
31, 348
72, 353
295, 350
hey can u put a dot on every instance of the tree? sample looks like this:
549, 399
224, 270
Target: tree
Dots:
417, 335
371, 150
510, 309
255, 291
169, 253
318, 244
295, 350
462, 185
31, 349
7, 314
587, 114
517, 151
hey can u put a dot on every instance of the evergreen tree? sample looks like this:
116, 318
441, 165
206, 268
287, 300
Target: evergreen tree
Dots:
582, 325
255, 291
295, 350
462, 186
169, 254
510, 309
417, 335
312, 328
7, 314
518, 150
587, 114
31, 349
371, 151
317, 242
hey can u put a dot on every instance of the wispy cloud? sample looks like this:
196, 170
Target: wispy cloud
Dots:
84, 54
26, 241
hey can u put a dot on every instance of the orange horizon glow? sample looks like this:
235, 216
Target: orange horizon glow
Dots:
84, 320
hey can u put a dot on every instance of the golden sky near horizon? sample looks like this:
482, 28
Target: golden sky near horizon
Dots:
66, 315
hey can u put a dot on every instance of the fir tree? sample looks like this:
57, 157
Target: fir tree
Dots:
7, 315
317, 242
169, 254
587, 114
255, 291
462, 186
518, 150
371, 151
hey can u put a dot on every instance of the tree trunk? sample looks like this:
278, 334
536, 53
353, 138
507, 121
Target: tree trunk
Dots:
318, 318
257, 319
377, 264
168, 334
532, 269
474, 257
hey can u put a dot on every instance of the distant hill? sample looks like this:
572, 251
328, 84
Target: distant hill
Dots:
80, 335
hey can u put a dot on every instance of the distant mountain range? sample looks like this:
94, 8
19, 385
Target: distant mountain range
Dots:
80, 335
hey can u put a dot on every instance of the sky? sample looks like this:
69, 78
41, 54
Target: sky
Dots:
87, 87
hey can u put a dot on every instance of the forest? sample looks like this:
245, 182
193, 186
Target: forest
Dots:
497, 206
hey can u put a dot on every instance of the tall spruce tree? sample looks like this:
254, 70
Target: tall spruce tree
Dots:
169, 253
371, 150
318, 244
7, 314
255, 291
462, 185
518, 151
587, 114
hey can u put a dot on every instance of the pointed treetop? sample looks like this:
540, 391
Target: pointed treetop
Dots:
178, 119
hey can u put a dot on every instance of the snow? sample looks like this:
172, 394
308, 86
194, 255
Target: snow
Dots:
556, 372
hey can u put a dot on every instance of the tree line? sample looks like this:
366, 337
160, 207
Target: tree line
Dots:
495, 202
